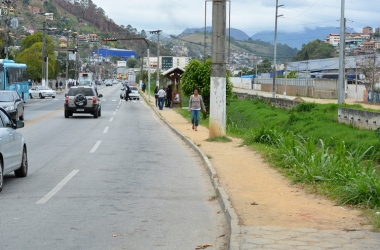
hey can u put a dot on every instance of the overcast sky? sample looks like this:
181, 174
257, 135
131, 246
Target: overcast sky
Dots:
251, 16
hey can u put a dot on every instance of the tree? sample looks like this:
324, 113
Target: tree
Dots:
370, 69
131, 62
314, 50
31, 55
198, 74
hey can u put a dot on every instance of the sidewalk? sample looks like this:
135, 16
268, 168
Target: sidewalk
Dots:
306, 99
272, 213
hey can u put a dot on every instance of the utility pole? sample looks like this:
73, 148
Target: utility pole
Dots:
286, 76
141, 70
217, 125
275, 51
44, 57
342, 48
356, 79
307, 78
7, 23
373, 78
158, 32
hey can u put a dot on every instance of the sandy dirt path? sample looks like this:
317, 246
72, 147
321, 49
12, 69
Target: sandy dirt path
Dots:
248, 179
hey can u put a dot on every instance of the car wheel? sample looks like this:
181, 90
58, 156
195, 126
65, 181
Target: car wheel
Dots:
67, 115
40, 96
1, 176
31, 96
21, 117
138, 99
23, 170
53, 96
100, 112
96, 113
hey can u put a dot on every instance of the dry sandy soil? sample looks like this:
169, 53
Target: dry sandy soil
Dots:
248, 179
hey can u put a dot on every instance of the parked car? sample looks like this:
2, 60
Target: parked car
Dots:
82, 99
41, 92
122, 93
12, 148
134, 93
109, 83
11, 102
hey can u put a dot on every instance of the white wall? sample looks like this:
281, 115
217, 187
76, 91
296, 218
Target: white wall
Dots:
241, 83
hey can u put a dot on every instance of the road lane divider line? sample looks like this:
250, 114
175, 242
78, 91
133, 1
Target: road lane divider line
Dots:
97, 144
43, 117
106, 130
57, 188
111, 119
114, 113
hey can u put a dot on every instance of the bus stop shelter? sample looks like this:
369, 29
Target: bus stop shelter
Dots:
174, 74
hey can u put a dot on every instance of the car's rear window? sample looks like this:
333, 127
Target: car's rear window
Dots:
83, 91
133, 88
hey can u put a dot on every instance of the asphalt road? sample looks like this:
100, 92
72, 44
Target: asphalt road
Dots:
122, 181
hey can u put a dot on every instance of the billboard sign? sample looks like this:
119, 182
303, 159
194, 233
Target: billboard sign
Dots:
122, 63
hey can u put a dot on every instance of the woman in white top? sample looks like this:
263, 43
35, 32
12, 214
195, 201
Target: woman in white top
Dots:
195, 106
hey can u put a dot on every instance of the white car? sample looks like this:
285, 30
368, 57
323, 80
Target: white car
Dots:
12, 148
41, 92
133, 95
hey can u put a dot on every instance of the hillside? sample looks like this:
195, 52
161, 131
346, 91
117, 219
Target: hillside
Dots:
83, 16
264, 50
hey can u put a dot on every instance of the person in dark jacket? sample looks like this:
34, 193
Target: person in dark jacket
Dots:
169, 96
127, 92
156, 95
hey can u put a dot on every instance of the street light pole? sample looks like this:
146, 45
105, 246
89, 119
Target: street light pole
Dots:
275, 51
218, 70
342, 47
158, 32
44, 58
7, 23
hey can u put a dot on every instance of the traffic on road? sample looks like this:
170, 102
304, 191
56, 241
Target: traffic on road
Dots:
107, 183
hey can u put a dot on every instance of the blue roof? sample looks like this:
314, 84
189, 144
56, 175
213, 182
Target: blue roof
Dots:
122, 53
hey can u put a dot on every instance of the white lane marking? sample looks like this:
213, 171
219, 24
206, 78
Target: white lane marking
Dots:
106, 130
118, 107
104, 100
114, 113
119, 102
114, 100
111, 119
58, 187
97, 144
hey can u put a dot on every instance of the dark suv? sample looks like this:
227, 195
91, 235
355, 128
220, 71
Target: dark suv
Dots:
82, 99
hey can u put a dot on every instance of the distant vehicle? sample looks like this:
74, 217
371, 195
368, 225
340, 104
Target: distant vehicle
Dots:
41, 92
98, 83
12, 148
11, 102
86, 79
114, 81
14, 76
135, 95
82, 99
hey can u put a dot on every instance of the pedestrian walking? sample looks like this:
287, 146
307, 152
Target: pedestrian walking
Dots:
161, 98
156, 95
143, 87
56, 85
60, 85
169, 97
196, 104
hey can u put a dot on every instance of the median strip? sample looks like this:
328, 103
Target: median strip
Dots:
58, 187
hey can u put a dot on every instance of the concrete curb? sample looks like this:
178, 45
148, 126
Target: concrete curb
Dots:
224, 200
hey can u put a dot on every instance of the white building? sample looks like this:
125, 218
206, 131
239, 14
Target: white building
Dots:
167, 62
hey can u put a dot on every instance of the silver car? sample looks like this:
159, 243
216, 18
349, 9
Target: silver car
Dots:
12, 148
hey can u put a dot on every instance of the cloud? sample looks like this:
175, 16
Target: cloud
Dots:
174, 16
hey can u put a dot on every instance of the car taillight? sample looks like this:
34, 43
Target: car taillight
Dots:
67, 100
94, 100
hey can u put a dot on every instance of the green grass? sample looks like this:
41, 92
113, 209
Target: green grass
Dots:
219, 139
308, 146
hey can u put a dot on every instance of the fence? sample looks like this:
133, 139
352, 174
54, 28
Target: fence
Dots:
317, 88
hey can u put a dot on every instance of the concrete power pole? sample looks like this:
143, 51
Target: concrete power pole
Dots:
275, 51
218, 70
44, 57
7, 23
158, 54
141, 70
342, 49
